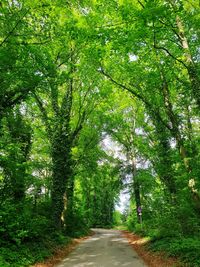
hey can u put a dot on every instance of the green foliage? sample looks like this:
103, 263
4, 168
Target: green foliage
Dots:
30, 252
117, 218
17, 224
187, 249
76, 225
26, 239
96, 95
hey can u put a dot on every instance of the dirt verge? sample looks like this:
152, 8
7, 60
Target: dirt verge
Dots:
150, 258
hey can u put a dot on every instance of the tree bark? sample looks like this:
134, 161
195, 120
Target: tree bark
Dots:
136, 190
60, 175
191, 68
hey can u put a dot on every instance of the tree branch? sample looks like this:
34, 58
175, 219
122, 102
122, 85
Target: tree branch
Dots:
13, 29
170, 54
152, 109
44, 114
140, 3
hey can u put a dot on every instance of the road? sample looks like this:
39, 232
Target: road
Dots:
106, 248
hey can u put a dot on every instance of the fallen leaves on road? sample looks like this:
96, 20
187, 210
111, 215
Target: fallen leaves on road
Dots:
150, 258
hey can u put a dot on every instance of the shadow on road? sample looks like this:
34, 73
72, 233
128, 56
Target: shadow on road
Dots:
106, 248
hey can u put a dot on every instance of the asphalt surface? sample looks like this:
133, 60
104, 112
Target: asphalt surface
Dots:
106, 248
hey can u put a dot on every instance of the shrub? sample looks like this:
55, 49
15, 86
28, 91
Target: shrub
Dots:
187, 249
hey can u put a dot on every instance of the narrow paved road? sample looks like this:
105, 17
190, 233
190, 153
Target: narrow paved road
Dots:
106, 248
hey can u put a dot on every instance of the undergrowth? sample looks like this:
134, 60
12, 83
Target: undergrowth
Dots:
27, 238
186, 249
30, 252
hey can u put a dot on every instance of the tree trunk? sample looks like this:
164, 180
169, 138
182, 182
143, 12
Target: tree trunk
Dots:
20, 133
136, 190
164, 165
191, 68
60, 175
70, 197
175, 124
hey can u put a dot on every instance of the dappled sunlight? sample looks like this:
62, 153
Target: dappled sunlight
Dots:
141, 241
119, 240
92, 239
106, 248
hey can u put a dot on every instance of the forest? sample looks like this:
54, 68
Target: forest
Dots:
99, 98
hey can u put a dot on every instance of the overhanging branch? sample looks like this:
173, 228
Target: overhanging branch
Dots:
149, 106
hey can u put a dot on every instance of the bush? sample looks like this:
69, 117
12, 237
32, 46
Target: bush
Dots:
26, 237
76, 226
18, 224
28, 253
187, 249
